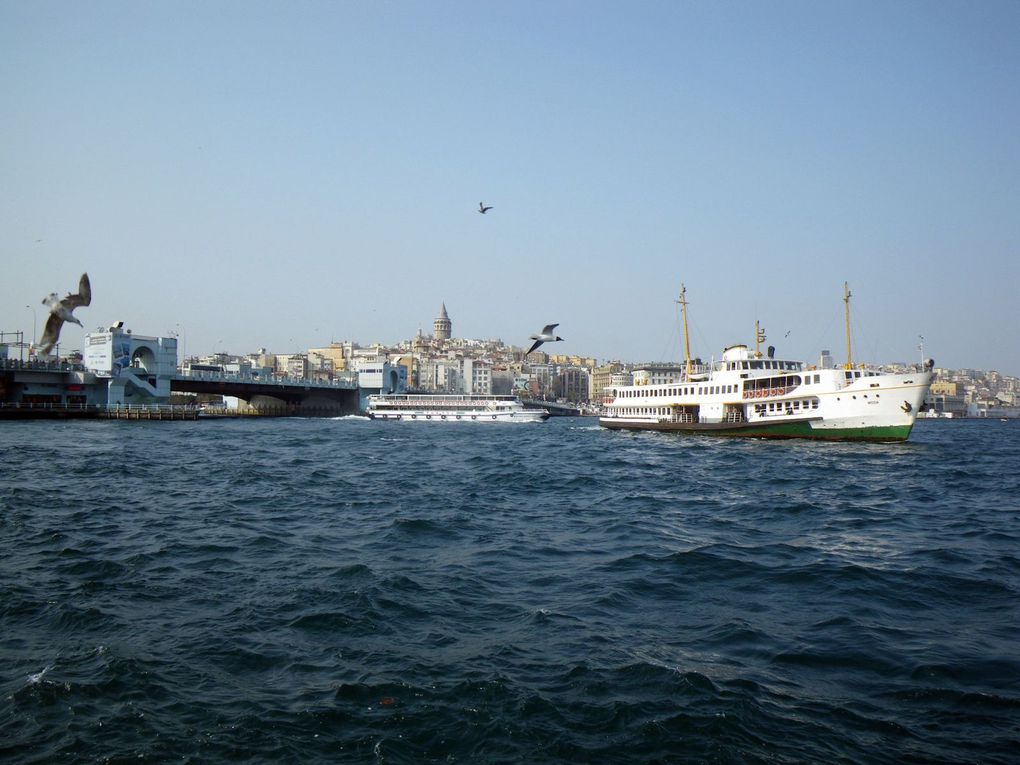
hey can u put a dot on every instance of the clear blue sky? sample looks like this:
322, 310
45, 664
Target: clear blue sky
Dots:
286, 174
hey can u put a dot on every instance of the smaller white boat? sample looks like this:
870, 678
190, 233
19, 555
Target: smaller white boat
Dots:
421, 407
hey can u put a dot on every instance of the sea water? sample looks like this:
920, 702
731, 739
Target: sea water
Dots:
303, 590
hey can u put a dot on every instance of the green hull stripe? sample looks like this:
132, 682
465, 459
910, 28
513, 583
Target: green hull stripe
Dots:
781, 430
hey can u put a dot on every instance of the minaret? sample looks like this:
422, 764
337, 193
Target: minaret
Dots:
442, 326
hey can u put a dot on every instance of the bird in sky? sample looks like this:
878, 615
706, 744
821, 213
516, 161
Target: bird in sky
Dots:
60, 311
545, 336
483, 209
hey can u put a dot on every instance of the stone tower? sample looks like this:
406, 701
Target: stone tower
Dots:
442, 326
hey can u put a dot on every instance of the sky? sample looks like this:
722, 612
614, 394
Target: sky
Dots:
281, 175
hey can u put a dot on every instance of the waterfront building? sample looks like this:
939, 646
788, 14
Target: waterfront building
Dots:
336, 353
439, 375
657, 374
477, 376
600, 378
545, 377
502, 381
378, 376
572, 384
406, 362
292, 365
134, 369
572, 360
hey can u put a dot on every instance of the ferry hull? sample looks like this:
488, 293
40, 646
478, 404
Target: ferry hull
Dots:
789, 429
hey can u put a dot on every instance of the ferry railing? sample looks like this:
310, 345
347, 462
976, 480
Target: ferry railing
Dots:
685, 418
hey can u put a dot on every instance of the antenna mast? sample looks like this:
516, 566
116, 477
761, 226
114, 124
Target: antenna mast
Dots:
846, 301
759, 338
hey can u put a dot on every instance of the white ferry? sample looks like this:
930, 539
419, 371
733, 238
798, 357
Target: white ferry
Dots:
754, 395
452, 408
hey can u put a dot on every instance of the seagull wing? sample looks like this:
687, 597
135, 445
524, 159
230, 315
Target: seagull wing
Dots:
51, 331
548, 330
537, 343
84, 296
85, 289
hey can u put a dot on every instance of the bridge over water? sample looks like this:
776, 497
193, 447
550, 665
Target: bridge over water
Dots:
277, 395
74, 389
28, 387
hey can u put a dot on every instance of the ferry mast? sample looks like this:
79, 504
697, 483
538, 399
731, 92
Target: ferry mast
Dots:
846, 302
687, 342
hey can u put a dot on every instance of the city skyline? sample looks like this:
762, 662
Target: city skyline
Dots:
291, 175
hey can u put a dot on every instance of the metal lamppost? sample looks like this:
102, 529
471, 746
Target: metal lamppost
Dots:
184, 341
32, 309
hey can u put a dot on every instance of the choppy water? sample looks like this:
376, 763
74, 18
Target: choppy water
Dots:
345, 590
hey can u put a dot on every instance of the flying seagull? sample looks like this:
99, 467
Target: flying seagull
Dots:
60, 311
545, 336
483, 209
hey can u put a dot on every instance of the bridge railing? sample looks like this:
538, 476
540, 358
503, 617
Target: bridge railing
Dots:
48, 406
41, 366
348, 380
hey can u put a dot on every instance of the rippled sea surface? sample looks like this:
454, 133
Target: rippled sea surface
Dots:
345, 590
